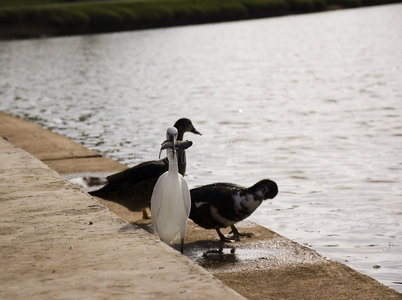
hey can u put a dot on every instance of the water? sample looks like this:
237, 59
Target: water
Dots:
313, 102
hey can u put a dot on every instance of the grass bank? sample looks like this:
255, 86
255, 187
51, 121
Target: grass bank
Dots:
33, 18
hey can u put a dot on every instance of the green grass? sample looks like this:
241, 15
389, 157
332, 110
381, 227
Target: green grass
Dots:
23, 18
4, 3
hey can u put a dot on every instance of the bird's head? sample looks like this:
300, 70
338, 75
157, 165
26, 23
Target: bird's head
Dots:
172, 143
171, 134
268, 187
184, 125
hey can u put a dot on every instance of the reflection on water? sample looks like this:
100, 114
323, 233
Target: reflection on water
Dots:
312, 101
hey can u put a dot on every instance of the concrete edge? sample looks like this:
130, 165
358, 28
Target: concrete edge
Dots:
60, 243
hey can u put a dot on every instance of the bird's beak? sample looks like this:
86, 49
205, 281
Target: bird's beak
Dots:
195, 131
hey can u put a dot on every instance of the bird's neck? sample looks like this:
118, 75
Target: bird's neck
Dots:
180, 134
181, 159
181, 154
172, 157
257, 191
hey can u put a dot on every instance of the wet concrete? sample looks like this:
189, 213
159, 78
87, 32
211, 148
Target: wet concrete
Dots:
265, 266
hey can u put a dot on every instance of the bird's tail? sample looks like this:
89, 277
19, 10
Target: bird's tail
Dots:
95, 193
102, 192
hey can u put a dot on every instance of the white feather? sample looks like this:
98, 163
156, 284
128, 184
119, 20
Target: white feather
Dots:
170, 204
156, 201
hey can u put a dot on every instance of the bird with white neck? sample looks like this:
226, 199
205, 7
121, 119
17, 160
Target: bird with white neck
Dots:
170, 201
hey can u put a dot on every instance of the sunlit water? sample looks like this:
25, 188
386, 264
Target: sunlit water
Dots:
313, 102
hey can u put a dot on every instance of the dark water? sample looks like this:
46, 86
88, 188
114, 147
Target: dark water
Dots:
313, 102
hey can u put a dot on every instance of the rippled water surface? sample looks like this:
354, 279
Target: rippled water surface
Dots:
313, 102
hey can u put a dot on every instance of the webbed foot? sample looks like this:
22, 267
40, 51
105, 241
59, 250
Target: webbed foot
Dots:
236, 234
145, 215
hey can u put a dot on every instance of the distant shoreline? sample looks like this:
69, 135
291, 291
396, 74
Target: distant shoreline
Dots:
72, 18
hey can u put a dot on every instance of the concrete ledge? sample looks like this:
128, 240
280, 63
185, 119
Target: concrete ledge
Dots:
59, 243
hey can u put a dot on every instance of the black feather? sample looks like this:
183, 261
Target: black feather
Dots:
214, 206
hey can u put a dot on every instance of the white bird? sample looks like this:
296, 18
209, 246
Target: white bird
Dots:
170, 201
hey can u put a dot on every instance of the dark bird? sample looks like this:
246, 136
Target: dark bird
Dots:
133, 187
219, 205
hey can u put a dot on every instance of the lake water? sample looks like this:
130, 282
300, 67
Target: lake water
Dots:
313, 102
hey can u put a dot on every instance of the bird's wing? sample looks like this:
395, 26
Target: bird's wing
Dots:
186, 196
145, 170
213, 193
213, 197
156, 201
